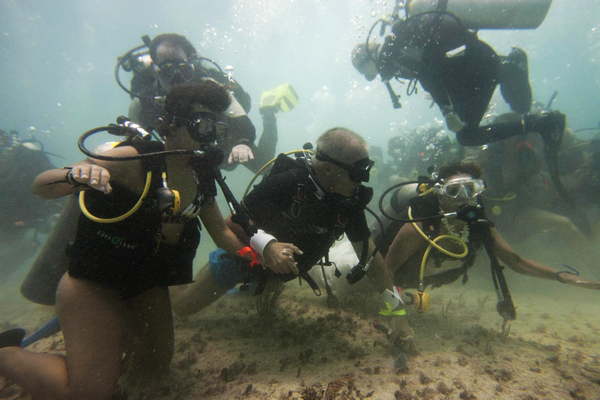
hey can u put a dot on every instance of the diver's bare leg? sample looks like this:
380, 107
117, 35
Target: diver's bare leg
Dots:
198, 295
91, 322
149, 320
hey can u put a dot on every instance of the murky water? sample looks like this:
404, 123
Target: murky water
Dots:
57, 79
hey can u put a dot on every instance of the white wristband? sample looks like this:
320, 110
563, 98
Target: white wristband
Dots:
393, 298
260, 240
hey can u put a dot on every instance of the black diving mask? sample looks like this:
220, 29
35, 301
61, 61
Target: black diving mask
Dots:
357, 172
204, 127
169, 68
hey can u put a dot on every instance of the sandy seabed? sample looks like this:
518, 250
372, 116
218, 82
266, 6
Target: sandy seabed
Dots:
305, 350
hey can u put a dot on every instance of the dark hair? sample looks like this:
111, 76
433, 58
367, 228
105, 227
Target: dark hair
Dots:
174, 40
207, 93
455, 168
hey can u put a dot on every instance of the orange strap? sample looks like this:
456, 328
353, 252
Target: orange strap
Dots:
245, 250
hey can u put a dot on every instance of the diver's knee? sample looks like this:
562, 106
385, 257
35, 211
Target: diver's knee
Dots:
90, 390
152, 362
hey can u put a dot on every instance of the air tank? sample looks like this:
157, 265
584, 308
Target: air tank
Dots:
396, 208
488, 14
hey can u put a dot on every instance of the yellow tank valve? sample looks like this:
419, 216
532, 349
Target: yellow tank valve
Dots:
422, 302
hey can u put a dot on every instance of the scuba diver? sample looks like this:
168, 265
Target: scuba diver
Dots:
310, 202
22, 214
172, 60
520, 195
461, 73
138, 234
446, 226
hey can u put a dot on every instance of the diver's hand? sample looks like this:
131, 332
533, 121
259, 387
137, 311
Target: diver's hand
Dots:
279, 257
93, 176
574, 280
240, 154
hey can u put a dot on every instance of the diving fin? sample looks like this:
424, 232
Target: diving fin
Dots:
282, 98
49, 329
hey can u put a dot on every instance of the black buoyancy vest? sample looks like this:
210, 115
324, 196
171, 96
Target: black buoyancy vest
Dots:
136, 234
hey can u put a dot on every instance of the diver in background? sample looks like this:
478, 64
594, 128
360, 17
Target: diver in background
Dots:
173, 61
520, 194
21, 212
461, 73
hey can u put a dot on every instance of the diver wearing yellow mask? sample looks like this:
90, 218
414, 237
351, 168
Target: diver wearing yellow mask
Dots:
438, 250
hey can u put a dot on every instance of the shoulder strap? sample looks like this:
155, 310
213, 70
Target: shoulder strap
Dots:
283, 163
148, 146
154, 164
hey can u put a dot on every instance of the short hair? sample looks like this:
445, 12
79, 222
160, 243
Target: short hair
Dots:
174, 40
342, 144
455, 168
207, 93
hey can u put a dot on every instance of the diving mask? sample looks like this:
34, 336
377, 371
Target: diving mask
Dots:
461, 188
204, 127
357, 172
167, 70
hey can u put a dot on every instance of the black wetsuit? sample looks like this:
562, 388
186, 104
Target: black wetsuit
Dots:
417, 49
127, 256
289, 206
241, 130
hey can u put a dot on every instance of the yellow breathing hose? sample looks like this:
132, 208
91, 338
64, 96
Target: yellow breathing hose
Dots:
85, 211
433, 244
